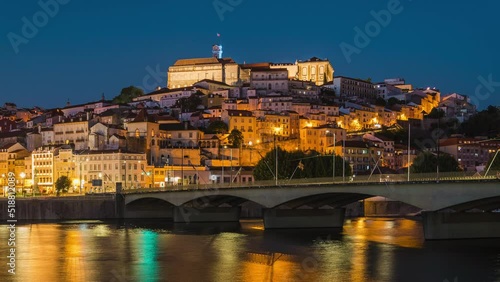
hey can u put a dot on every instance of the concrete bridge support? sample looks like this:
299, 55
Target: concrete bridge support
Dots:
460, 225
208, 214
304, 218
148, 211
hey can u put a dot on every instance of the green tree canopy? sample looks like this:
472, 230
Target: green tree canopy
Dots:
127, 94
300, 165
392, 101
484, 123
217, 127
426, 162
189, 104
235, 138
62, 184
496, 162
380, 102
436, 113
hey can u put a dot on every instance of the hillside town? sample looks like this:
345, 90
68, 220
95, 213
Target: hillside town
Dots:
215, 119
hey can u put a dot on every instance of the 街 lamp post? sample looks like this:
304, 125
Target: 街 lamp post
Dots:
276, 130
23, 175
125, 167
333, 154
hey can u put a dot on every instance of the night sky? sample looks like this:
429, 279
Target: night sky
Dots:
86, 48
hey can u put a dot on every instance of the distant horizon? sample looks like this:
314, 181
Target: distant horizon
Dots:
54, 53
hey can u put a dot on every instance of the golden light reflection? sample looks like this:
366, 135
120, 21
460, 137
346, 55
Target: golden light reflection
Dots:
358, 261
400, 232
273, 267
228, 247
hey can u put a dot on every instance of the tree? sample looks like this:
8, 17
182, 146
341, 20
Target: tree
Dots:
484, 123
189, 104
436, 113
128, 94
380, 102
235, 138
427, 162
217, 127
299, 164
62, 184
496, 162
392, 101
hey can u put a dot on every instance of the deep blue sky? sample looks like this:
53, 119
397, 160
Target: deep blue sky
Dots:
92, 47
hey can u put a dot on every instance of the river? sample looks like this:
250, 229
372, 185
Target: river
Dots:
366, 249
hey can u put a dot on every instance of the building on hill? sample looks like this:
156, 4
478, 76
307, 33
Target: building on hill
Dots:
7, 125
186, 72
95, 107
315, 70
266, 80
457, 106
244, 121
12, 157
73, 131
352, 87
362, 156
470, 152
321, 138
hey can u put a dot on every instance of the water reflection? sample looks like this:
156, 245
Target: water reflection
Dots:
366, 249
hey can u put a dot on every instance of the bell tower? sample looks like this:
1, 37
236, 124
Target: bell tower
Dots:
217, 51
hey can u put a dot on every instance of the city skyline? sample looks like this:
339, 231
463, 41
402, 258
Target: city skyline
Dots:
72, 57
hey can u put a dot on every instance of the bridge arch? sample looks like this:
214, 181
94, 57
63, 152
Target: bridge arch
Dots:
332, 200
148, 207
219, 200
427, 196
487, 204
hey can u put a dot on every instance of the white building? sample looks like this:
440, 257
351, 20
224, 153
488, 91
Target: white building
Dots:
110, 167
352, 87
266, 81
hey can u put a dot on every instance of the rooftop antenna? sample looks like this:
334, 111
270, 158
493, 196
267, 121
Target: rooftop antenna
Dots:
217, 49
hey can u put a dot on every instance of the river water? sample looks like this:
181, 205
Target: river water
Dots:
366, 249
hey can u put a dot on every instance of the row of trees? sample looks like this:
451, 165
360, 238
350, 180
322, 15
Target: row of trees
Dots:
299, 164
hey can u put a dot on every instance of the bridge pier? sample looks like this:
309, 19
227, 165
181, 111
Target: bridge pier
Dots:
208, 214
460, 225
304, 218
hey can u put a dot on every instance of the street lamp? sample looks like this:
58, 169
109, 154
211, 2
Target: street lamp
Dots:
333, 155
250, 146
3, 184
23, 175
276, 130
125, 167
222, 161
100, 177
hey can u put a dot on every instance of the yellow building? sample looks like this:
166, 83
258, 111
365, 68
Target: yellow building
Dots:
245, 122
73, 131
362, 156
321, 138
186, 72
315, 70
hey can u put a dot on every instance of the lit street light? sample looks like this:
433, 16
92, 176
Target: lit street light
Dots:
125, 167
276, 130
23, 175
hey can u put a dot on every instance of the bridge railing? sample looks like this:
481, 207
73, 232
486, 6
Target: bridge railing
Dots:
375, 178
